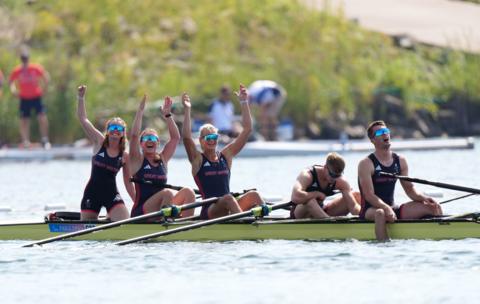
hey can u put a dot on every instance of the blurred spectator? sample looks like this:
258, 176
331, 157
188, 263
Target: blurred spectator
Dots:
221, 113
28, 82
270, 97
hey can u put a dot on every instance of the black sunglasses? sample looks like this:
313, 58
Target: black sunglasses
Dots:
333, 174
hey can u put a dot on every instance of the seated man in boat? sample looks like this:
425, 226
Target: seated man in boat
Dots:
211, 168
314, 184
377, 191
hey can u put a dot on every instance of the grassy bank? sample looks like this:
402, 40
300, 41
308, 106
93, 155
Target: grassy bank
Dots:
121, 49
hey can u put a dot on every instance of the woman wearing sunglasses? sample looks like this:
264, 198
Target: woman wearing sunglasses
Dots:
211, 168
314, 184
150, 167
109, 157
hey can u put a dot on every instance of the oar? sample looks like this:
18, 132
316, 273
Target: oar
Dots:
256, 211
436, 184
163, 212
155, 183
457, 198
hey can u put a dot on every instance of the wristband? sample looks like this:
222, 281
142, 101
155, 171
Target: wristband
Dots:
80, 98
168, 115
244, 101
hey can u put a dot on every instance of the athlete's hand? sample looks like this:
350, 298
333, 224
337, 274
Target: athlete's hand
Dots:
242, 94
320, 196
186, 100
390, 214
82, 90
167, 106
433, 204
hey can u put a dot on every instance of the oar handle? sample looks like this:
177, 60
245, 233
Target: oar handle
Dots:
222, 219
436, 184
159, 184
155, 183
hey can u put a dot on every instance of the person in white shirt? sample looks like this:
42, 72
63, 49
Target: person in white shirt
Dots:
222, 113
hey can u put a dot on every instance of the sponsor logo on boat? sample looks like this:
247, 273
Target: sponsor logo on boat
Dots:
61, 227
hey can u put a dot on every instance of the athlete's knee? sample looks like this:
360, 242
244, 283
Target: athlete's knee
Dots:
435, 209
357, 196
312, 204
167, 193
225, 200
256, 198
188, 193
380, 215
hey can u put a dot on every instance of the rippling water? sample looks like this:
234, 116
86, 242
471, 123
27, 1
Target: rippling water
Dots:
236, 272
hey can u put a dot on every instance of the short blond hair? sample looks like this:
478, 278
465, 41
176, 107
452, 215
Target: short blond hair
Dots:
149, 130
335, 163
207, 127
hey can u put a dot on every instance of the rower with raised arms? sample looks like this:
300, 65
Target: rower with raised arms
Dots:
150, 167
211, 168
314, 184
108, 158
377, 191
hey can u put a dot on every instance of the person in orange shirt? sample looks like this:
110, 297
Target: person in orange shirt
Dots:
28, 82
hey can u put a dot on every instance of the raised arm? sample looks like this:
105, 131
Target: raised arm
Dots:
239, 142
172, 143
92, 133
299, 194
135, 155
188, 142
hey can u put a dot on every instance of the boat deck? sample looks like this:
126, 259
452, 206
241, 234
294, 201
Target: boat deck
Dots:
252, 229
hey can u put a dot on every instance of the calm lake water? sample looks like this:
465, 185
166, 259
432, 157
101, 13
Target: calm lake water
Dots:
237, 272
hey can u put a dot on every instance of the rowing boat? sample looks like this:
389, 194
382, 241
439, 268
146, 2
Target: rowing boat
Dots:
452, 227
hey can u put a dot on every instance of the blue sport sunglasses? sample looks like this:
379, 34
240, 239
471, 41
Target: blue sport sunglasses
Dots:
118, 128
381, 131
149, 137
211, 137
